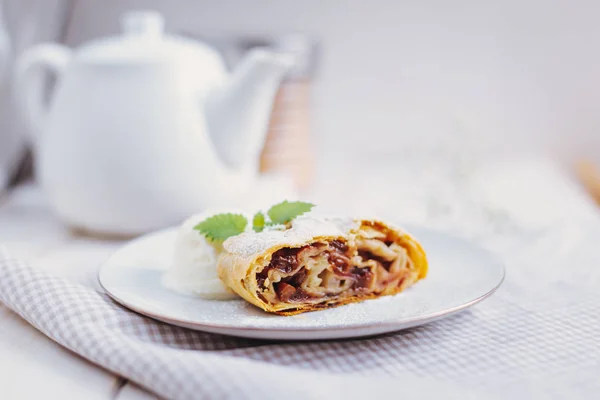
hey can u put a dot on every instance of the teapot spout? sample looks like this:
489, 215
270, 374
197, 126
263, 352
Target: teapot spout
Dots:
238, 113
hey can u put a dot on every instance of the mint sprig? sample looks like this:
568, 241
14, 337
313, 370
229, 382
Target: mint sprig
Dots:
222, 226
219, 227
258, 222
286, 211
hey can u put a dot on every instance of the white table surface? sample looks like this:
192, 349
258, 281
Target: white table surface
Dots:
530, 194
31, 365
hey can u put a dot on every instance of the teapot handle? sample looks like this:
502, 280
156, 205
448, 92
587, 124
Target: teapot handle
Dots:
29, 82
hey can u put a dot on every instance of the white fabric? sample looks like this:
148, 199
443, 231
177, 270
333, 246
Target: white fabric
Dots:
537, 337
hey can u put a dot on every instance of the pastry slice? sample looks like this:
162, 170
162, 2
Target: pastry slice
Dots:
319, 263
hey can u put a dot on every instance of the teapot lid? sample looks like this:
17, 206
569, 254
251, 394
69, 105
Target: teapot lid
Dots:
143, 40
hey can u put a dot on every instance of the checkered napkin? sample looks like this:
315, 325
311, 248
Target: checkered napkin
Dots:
536, 337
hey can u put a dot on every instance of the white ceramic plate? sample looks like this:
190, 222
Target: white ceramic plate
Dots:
460, 275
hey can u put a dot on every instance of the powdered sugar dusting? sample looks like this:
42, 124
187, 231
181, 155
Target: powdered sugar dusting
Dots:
303, 230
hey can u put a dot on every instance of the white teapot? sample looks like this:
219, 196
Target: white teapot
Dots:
144, 129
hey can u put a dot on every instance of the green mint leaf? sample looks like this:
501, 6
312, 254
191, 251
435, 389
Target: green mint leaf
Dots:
222, 226
286, 211
258, 222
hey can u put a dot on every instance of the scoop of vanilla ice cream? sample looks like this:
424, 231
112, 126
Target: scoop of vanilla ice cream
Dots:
194, 263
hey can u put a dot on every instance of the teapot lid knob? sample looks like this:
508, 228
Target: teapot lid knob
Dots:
143, 22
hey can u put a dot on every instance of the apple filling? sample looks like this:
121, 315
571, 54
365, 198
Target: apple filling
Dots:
369, 262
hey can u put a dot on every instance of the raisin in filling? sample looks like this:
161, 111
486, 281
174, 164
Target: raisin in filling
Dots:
324, 270
284, 260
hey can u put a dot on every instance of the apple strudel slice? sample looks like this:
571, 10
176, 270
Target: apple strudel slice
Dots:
321, 262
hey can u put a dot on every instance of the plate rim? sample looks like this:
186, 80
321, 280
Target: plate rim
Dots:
390, 323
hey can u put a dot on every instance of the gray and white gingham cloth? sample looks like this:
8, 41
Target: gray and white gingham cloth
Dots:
537, 337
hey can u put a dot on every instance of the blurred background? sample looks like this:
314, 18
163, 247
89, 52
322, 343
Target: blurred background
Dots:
373, 81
